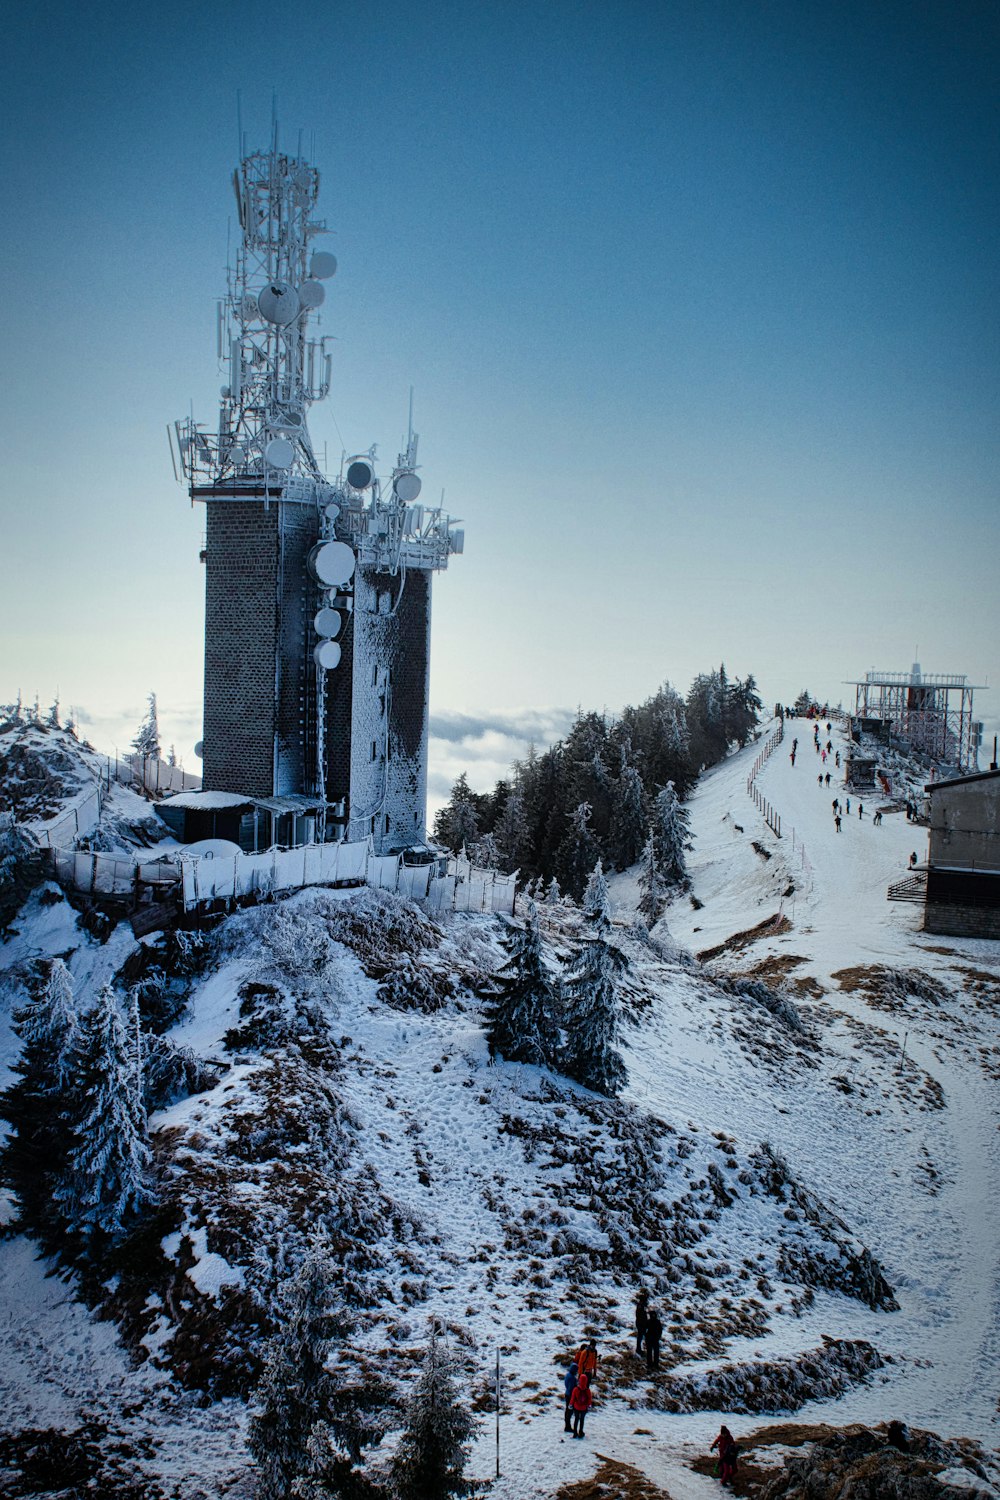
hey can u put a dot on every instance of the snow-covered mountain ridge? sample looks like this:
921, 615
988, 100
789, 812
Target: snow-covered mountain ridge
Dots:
354, 1094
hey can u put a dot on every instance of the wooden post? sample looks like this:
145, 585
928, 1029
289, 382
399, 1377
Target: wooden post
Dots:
498, 1413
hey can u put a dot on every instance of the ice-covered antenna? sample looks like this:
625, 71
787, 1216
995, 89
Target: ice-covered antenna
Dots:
274, 370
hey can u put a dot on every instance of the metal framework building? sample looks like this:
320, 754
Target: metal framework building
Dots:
928, 713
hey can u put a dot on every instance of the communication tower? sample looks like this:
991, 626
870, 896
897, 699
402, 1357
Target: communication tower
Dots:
930, 713
317, 595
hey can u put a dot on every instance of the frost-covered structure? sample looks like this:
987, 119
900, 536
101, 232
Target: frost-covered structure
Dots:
318, 590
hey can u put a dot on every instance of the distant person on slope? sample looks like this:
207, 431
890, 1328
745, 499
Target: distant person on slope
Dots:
641, 1318
836, 820
586, 1359
728, 1454
913, 860
654, 1333
569, 1386
580, 1401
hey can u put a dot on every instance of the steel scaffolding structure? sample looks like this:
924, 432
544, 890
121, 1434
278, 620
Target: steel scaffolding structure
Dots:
928, 712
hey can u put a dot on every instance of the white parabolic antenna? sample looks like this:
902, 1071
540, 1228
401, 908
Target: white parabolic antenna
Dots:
279, 453
332, 563
327, 655
278, 303
322, 264
327, 621
407, 487
331, 513
360, 473
312, 293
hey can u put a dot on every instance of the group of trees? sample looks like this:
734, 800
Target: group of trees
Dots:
594, 795
567, 1022
318, 1410
77, 1156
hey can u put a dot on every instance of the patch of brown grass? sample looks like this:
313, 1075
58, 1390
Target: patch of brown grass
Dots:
772, 926
613, 1481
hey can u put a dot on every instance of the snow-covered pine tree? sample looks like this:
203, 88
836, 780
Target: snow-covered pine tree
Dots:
147, 739
484, 853
590, 1019
553, 895
53, 717
629, 817
522, 1022
457, 823
104, 1185
314, 1415
595, 904
429, 1463
512, 833
653, 888
578, 852
35, 1103
671, 837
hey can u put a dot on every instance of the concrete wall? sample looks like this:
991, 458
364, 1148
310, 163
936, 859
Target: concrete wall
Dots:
962, 921
965, 824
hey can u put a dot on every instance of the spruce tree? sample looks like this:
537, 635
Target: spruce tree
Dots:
456, 825
671, 837
512, 833
147, 739
314, 1415
522, 1022
590, 998
629, 818
104, 1185
596, 905
33, 1156
429, 1462
578, 852
653, 888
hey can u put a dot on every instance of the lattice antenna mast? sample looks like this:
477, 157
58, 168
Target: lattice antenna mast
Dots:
274, 370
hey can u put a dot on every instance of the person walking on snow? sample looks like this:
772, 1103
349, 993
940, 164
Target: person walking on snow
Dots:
826, 778
569, 1386
848, 807
586, 1360
835, 804
654, 1332
728, 1454
861, 809
641, 1318
877, 820
837, 821
580, 1401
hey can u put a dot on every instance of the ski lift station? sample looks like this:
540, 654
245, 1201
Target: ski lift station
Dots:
317, 589
931, 715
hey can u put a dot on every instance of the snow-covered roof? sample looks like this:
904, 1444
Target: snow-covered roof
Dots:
208, 801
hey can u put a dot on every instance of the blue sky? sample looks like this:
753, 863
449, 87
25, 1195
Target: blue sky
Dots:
699, 300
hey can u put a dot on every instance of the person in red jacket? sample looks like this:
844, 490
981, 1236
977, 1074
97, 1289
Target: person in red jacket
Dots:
728, 1454
580, 1402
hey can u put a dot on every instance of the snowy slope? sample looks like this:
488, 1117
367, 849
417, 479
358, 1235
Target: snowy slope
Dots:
522, 1211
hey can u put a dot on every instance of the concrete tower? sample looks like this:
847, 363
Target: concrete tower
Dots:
317, 593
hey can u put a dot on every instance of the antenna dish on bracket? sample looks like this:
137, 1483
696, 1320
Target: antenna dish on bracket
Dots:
327, 655
327, 622
331, 563
360, 473
278, 303
407, 486
322, 264
279, 453
312, 293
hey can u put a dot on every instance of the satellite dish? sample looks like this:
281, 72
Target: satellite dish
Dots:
288, 421
360, 473
322, 264
327, 622
327, 655
407, 487
331, 513
237, 453
331, 563
199, 749
279, 453
278, 303
312, 293
213, 849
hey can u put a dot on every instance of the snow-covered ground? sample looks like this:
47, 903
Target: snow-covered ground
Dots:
497, 1185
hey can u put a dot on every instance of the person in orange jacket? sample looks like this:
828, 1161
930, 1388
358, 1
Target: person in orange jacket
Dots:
586, 1359
580, 1401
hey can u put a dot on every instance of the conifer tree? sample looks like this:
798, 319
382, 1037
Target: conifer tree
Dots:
430, 1461
553, 895
596, 905
34, 1153
577, 853
590, 998
629, 818
104, 1185
653, 888
314, 1414
456, 825
147, 739
522, 1023
512, 833
671, 837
